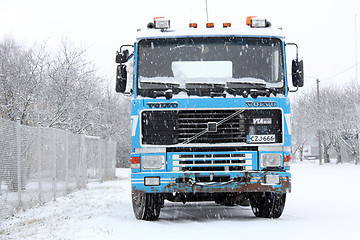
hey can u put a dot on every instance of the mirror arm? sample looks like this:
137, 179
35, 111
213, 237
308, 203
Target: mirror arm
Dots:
128, 94
125, 46
123, 56
297, 88
297, 49
130, 54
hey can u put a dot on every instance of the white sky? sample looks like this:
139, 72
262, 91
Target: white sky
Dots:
323, 29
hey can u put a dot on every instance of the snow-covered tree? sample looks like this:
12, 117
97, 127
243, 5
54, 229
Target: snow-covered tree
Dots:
61, 89
334, 115
21, 80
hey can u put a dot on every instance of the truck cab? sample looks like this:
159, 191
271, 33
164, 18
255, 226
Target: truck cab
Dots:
210, 116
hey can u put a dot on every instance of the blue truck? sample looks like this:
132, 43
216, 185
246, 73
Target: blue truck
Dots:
210, 115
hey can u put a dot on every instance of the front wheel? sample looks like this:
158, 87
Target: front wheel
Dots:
146, 206
268, 204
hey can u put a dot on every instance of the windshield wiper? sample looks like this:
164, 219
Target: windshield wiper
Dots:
253, 89
206, 89
162, 89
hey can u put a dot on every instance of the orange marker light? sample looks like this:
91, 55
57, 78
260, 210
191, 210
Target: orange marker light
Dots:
248, 20
135, 162
193, 25
226, 25
287, 158
210, 25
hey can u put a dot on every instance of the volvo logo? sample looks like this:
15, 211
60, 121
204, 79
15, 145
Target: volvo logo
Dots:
261, 104
163, 105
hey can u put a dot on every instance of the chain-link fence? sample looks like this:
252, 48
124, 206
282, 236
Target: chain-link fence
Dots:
40, 164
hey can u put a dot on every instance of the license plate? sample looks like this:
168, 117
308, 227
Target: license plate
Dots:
261, 138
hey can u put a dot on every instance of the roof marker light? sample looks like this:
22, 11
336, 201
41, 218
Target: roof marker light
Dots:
193, 25
226, 25
210, 25
248, 20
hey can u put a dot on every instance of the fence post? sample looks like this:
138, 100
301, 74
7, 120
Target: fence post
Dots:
78, 163
101, 150
105, 159
54, 163
83, 161
358, 149
1, 153
109, 160
66, 161
39, 167
18, 156
113, 158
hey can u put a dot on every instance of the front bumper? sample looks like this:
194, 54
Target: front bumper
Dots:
205, 182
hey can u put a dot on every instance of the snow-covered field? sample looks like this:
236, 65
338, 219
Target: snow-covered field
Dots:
324, 204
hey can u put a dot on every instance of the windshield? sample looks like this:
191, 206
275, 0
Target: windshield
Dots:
194, 65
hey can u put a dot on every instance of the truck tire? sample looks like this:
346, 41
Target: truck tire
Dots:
268, 204
146, 206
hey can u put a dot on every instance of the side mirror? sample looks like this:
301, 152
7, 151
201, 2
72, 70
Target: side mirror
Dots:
297, 72
121, 78
122, 57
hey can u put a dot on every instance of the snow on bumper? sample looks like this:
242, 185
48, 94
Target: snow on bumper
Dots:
254, 181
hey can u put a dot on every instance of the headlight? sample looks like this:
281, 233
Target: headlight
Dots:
271, 160
153, 162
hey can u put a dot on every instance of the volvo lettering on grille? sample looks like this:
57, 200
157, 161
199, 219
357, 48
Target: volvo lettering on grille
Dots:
163, 105
261, 104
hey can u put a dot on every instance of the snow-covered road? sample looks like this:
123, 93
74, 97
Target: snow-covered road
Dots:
324, 204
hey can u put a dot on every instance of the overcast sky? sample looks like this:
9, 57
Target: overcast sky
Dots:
324, 29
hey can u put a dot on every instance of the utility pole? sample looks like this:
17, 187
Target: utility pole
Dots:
356, 79
319, 131
356, 59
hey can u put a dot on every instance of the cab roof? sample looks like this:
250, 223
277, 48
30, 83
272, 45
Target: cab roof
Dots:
209, 32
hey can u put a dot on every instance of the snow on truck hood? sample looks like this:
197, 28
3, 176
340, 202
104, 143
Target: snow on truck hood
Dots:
210, 32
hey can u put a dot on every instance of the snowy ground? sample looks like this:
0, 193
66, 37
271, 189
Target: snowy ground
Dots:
324, 204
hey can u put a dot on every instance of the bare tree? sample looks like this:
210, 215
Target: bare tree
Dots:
22, 77
61, 90
71, 89
336, 117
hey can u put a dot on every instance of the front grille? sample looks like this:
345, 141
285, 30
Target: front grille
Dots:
193, 122
212, 169
248, 148
170, 127
160, 127
212, 162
